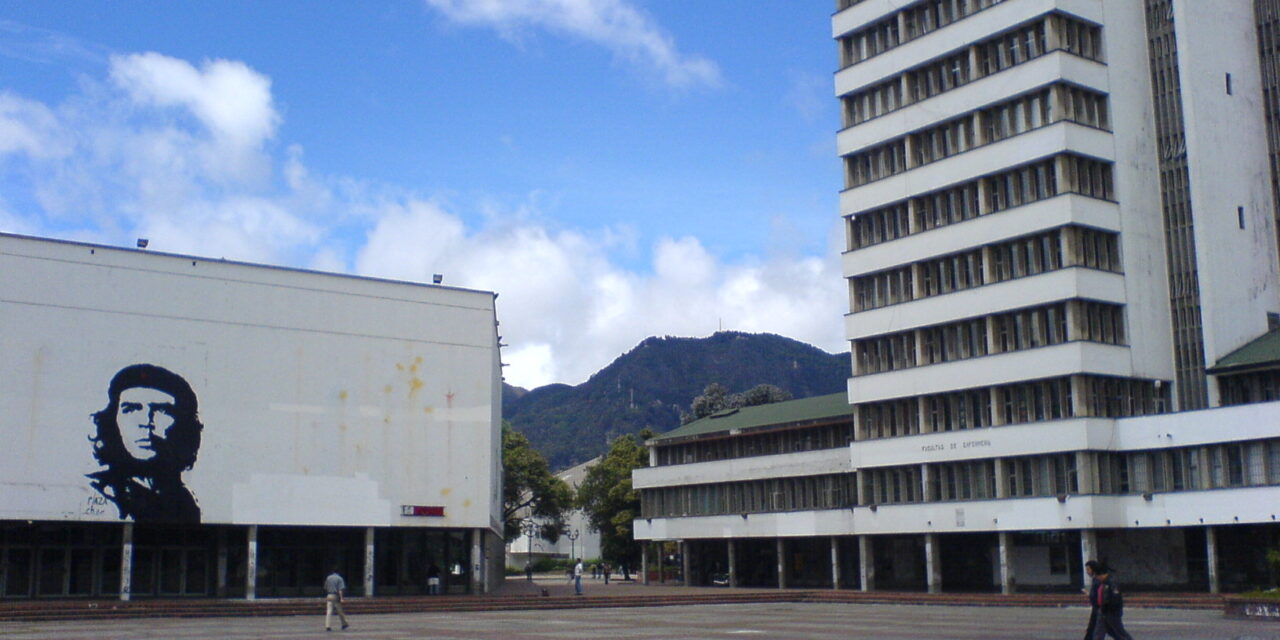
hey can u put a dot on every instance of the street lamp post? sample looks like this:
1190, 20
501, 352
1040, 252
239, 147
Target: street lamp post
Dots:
528, 527
572, 535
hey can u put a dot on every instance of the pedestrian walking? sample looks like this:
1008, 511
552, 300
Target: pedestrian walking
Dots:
577, 578
1106, 605
334, 589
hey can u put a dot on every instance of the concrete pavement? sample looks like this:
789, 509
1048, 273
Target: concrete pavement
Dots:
792, 621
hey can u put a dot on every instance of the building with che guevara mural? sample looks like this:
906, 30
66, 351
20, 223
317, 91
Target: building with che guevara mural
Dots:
178, 426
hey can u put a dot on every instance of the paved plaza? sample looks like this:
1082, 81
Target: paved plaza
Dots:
704, 622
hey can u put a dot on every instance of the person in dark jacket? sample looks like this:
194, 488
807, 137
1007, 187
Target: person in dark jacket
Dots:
1107, 604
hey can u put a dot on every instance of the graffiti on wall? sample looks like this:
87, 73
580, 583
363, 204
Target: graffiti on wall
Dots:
146, 436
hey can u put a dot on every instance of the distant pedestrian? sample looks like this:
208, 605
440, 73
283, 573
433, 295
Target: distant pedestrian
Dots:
528, 571
1106, 605
334, 589
433, 580
606, 570
577, 578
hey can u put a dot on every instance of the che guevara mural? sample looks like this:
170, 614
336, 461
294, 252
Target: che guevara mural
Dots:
144, 439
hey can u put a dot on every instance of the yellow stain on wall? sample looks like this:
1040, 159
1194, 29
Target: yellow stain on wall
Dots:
399, 367
428, 410
414, 385
466, 503
386, 389
342, 395
446, 491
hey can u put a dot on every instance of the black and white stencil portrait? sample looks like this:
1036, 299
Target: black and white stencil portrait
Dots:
148, 434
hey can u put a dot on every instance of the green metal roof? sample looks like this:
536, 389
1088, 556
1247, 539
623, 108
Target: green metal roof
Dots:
791, 412
1261, 353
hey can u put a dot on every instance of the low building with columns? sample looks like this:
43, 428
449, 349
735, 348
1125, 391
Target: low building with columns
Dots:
784, 495
180, 426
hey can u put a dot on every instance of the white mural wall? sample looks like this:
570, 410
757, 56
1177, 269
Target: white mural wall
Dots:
321, 399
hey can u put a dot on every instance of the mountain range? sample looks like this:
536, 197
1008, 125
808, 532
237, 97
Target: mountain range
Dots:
653, 383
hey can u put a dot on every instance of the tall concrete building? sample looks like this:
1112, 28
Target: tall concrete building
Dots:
1060, 216
1064, 296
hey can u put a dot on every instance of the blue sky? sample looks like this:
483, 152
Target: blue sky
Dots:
613, 168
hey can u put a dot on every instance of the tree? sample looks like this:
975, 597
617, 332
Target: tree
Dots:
715, 399
529, 489
610, 504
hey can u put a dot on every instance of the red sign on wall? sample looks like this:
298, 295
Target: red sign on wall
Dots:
419, 510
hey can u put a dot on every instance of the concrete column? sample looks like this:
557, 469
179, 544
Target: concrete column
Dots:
1062, 174
835, 562
251, 565
922, 414
1008, 581
369, 560
782, 563
221, 589
997, 406
1079, 397
984, 204
1002, 482
990, 320
684, 563
126, 562
1052, 38
1211, 554
733, 563
932, 563
477, 561
1088, 550
644, 563
926, 482
866, 564
653, 456
1086, 472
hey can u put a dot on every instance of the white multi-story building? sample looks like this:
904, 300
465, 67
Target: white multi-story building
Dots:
1062, 268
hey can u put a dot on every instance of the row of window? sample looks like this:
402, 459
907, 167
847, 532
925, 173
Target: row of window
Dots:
1023, 402
904, 26
1236, 464
1020, 115
804, 493
1011, 331
1008, 260
956, 69
1218, 466
954, 204
1018, 476
1248, 388
826, 436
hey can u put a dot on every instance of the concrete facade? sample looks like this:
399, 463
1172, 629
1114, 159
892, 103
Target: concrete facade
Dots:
326, 420
1060, 215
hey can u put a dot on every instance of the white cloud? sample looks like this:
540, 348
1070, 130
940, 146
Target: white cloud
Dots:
180, 154
29, 127
228, 97
614, 24
567, 309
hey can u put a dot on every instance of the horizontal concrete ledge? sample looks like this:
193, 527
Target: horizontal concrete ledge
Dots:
640, 596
